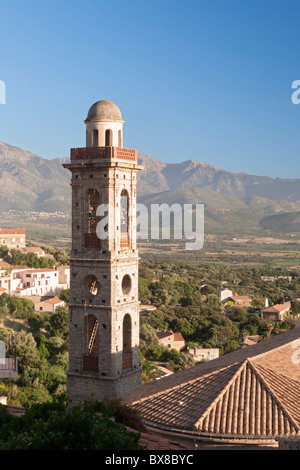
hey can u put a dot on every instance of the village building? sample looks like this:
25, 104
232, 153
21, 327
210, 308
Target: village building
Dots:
49, 305
241, 300
250, 340
276, 278
12, 238
171, 340
224, 294
203, 354
276, 312
24, 281
40, 281
39, 252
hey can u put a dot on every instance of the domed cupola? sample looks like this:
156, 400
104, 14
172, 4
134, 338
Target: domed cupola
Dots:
104, 125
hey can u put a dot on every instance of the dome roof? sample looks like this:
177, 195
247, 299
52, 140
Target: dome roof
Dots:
104, 110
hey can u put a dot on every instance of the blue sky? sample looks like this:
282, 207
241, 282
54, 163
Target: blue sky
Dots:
202, 80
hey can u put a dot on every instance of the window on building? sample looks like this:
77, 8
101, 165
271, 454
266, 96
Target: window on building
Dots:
95, 138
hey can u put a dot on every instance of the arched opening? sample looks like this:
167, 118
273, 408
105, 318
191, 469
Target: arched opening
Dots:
120, 139
91, 285
126, 284
90, 358
127, 350
108, 138
124, 218
95, 138
93, 201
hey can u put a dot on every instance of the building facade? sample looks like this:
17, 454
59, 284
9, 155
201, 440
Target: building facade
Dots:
276, 312
12, 238
42, 281
171, 340
103, 308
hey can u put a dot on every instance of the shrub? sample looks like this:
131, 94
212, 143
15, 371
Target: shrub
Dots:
57, 426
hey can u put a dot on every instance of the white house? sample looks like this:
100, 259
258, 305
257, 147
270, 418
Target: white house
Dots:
204, 354
40, 281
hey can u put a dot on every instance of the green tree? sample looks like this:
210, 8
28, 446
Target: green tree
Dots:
65, 295
59, 323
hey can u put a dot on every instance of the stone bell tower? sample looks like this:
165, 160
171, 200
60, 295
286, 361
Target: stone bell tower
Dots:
103, 308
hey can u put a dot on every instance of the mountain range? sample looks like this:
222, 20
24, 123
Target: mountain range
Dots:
232, 200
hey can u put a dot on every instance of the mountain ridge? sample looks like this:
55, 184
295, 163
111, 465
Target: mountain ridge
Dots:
30, 182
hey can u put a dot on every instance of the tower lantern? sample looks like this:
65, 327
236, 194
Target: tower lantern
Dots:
104, 125
103, 307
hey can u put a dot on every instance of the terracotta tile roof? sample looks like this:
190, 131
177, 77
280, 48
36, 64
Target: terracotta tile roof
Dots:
250, 340
277, 308
152, 442
164, 334
178, 337
240, 297
252, 392
54, 300
41, 270
167, 333
16, 410
32, 249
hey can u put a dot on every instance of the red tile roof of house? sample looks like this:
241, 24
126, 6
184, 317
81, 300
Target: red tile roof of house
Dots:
11, 231
240, 297
54, 300
167, 333
277, 308
164, 334
41, 270
178, 337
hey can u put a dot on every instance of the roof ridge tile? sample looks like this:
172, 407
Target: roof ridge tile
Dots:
217, 399
273, 392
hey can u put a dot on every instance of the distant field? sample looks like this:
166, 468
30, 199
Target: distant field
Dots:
47, 232
220, 249
274, 250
